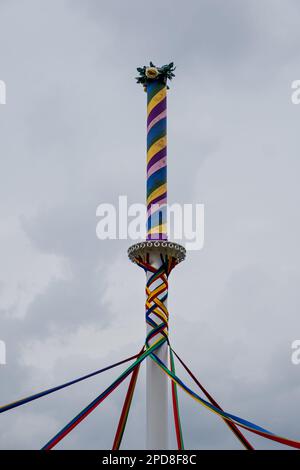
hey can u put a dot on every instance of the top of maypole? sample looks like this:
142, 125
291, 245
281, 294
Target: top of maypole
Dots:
155, 82
149, 73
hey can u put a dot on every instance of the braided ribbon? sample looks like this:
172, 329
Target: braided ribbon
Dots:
156, 160
157, 315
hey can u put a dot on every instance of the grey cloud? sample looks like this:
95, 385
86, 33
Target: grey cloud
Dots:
73, 136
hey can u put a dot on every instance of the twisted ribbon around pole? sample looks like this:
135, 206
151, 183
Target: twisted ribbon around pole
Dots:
157, 291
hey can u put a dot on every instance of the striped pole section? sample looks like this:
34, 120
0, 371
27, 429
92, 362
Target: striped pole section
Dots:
156, 160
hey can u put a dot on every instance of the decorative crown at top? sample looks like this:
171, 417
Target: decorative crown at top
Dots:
147, 74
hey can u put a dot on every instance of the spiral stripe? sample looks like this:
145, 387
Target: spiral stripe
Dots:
156, 160
156, 147
154, 217
156, 119
157, 166
161, 154
159, 108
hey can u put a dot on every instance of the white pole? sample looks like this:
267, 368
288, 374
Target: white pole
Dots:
156, 388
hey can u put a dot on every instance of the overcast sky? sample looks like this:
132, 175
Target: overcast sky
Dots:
72, 135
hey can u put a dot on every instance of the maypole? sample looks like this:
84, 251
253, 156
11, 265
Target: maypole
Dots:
157, 256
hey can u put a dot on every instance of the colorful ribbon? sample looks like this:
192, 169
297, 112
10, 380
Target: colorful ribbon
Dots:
96, 402
245, 424
126, 408
157, 318
30, 398
231, 425
176, 413
157, 292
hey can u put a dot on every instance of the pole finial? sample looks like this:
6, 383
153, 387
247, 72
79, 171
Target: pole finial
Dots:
152, 72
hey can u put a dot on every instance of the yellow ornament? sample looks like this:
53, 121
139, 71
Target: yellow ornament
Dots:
151, 72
